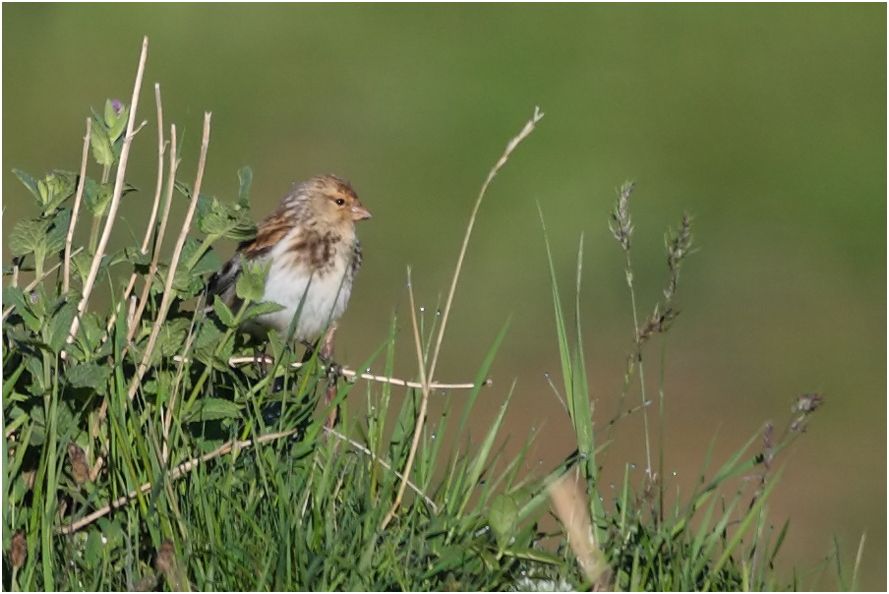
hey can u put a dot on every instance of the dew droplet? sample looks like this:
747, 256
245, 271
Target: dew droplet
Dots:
546, 375
675, 473
632, 466
367, 370
422, 309
437, 312
433, 436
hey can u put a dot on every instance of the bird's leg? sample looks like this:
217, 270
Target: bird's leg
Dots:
333, 373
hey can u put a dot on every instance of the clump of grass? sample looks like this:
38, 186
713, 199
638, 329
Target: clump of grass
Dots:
137, 456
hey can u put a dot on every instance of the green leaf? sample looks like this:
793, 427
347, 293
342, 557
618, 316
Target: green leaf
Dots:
219, 220
503, 517
88, 375
60, 326
97, 196
103, 153
55, 238
258, 309
225, 314
28, 236
56, 188
27, 181
15, 296
116, 122
251, 282
211, 409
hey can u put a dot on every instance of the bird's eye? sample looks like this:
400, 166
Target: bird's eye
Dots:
340, 201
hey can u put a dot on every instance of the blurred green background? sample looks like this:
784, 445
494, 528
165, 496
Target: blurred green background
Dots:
767, 123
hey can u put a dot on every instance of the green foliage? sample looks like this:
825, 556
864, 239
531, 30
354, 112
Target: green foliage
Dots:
228, 478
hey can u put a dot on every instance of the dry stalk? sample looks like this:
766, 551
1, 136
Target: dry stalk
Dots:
510, 147
149, 228
161, 232
167, 299
226, 448
115, 196
81, 182
421, 415
353, 375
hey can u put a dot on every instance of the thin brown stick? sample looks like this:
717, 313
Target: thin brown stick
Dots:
81, 182
421, 415
510, 147
149, 228
167, 299
226, 448
176, 473
353, 375
385, 465
161, 232
39, 280
115, 196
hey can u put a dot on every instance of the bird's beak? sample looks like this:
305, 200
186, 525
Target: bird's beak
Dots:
359, 213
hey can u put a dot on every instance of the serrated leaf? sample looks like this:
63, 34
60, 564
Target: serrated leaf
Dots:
55, 237
212, 409
172, 336
55, 189
503, 517
250, 285
224, 313
28, 236
258, 309
15, 296
97, 196
219, 220
60, 326
103, 153
27, 181
116, 129
88, 375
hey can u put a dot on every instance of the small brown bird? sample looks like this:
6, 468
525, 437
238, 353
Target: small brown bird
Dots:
310, 244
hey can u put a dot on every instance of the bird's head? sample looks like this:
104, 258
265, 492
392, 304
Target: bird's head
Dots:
334, 201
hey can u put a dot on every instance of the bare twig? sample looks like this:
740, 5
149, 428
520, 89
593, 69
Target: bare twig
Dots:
510, 147
167, 299
115, 197
161, 232
421, 415
149, 228
176, 473
66, 271
353, 375
385, 465
39, 280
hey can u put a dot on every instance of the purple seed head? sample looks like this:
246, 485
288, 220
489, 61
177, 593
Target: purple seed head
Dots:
116, 105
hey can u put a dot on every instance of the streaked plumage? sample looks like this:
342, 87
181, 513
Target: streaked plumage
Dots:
314, 253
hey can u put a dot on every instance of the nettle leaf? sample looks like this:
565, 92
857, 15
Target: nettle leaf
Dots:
88, 375
81, 263
56, 188
251, 282
219, 220
207, 262
27, 181
97, 196
224, 313
258, 309
116, 119
28, 236
172, 336
55, 238
15, 296
60, 325
503, 517
103, 152
212, 409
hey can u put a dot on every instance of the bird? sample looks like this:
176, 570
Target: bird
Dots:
311, 248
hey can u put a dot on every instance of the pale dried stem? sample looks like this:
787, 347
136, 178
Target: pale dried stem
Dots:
385, 465
167, 299
149, 228
226, 448
421, 415
161, 233
510, 147
115, 196
175, 473
30, 286
353, 375
81, 182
